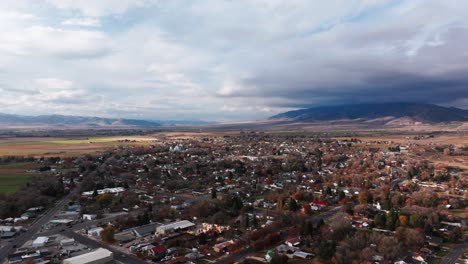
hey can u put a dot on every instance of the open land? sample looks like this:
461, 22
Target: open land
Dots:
310, 196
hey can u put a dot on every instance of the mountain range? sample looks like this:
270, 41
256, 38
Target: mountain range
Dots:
377, 114
412, 112
72, 121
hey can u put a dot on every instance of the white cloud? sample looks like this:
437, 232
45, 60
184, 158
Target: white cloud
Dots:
97, 8
53, 84
224, 59
85, 22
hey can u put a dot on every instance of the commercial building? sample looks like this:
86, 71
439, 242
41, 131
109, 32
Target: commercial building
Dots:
40, 241
99, 256
183, 225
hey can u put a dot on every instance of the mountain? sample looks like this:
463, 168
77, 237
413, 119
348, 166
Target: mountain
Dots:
74, 121
409, 112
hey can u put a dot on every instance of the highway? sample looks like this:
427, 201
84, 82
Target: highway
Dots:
34, 228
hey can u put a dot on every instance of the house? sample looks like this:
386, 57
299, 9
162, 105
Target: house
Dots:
223, 246
293, 242
302, 255
95, 232
89, 217
124, 237
195, 255
410, 260
318, 205
183, 225
284, 249
157, 250
144, 230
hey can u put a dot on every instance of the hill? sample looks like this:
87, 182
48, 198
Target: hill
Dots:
384, 112
73, 121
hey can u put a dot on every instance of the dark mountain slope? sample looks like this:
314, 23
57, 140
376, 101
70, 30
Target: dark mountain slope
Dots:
416, 111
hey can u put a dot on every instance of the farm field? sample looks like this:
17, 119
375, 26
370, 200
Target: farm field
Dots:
65, 147
13, 176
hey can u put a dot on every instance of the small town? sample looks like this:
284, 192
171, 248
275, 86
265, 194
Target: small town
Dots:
248, 197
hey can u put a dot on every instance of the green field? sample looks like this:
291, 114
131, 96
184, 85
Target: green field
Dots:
11, 183
14, 176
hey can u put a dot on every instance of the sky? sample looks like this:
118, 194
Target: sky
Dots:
222, 60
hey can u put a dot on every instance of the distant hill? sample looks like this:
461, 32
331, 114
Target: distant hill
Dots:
385, 112
73, 121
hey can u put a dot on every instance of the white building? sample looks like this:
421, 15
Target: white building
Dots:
67, 242
175, 226
99, 256
89, 217
40, 241
95, 231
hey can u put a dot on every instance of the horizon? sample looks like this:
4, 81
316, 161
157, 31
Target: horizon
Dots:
216, 121
227, 61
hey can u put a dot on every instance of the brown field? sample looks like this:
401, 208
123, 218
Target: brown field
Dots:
65, 147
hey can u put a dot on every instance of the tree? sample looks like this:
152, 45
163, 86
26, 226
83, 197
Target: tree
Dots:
104, 199
279, 259
327, 249
202, 239
362, 197
417, 220
380, 220
403, 219
455, 235
293, 206
307, 209
107, 235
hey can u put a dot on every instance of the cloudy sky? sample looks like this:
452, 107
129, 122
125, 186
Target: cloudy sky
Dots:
227, 60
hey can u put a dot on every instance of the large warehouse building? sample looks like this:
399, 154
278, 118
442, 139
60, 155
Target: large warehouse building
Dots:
99, 256
183, 225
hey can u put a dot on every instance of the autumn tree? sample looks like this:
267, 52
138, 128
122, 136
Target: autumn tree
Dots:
104, 199
403, 219
107, 235
307, 209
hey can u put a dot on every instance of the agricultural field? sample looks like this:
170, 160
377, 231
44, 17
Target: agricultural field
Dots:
65, 147
14, 176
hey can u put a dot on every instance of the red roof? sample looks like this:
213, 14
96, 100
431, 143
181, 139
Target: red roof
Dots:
158, 249
319, 203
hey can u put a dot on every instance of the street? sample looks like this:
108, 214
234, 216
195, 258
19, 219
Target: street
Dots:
34, 228
454, 254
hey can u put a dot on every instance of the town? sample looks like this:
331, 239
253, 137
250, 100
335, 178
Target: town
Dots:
248, 197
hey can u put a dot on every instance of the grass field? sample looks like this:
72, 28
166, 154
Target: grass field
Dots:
13, 176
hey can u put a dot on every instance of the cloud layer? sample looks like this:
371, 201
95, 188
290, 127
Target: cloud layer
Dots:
228, 60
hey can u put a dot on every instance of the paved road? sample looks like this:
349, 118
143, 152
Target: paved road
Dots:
118, 255
78, 226
454, 254
34, 228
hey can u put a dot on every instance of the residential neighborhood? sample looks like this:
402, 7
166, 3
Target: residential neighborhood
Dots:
253, 197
